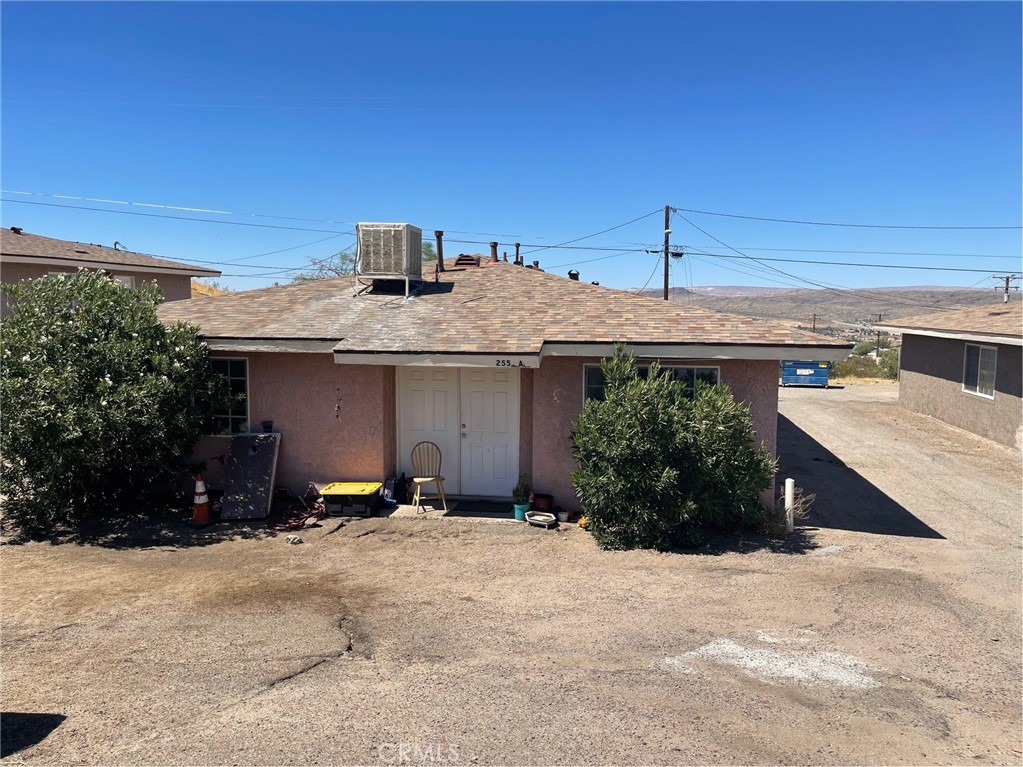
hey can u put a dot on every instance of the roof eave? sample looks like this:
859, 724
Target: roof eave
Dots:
181, 269
957, 335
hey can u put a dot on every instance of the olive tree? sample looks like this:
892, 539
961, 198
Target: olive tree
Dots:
100, 400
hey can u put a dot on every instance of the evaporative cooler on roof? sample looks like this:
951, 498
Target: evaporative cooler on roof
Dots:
389, 251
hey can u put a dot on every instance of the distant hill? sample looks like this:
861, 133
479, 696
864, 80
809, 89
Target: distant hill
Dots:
839, 312
202, 289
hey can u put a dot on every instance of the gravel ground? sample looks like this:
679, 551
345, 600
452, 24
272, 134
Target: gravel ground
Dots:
886, 631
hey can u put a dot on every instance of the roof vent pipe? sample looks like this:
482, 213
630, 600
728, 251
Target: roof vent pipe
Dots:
573, 275
493, 252
439, 234
518, 258
536, 264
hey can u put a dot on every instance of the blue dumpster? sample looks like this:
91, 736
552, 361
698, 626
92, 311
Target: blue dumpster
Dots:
805, 373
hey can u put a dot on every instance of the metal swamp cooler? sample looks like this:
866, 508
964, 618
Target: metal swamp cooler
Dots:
351, 499
805, 373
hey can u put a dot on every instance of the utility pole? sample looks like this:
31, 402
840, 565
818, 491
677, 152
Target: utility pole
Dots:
877, 349
815, 322
1007, 278
667, 246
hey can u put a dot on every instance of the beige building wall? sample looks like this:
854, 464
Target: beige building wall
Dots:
558, 399
174, 287
931, 382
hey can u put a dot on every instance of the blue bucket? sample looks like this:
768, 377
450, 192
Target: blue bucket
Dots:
520, 511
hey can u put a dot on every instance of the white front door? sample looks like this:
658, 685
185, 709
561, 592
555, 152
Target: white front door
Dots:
490, 431
472, 414
428, 410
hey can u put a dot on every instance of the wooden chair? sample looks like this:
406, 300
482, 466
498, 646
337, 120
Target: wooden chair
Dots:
426, 460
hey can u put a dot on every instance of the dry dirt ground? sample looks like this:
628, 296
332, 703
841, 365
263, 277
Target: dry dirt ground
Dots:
886, 631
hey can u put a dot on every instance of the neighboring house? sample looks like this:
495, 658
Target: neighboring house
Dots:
491, 361
965, 368
26, 256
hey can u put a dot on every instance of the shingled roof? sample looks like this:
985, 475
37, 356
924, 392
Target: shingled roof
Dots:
493, 308
21, 246
997, 322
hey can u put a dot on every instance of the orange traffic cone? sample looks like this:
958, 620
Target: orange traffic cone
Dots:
201, 505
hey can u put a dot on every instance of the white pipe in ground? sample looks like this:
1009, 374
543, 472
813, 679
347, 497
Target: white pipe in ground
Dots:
790, 501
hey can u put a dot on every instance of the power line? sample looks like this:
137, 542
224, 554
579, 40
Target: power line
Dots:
803, 279
871, 252
176, 218
195, 209
599, 258
587, 236
652, 273
853, 263
831, 223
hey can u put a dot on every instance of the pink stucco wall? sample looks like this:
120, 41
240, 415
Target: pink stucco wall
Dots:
337, 422
174, 287
558, 398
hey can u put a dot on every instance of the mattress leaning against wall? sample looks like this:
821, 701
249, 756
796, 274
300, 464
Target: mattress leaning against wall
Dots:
249, 472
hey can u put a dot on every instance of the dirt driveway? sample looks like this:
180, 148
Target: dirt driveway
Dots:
887, 631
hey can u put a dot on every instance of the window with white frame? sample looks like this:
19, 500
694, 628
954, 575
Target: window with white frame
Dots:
593, 377
234, 419
979, 370
127, 280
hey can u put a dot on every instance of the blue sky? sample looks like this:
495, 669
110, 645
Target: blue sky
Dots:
537, 123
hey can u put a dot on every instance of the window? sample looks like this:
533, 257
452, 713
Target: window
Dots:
125, 279
593, 377
979, 370
235, 374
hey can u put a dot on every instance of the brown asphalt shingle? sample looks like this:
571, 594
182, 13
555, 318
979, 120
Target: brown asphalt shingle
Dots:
37, 246
995, 320
498, 307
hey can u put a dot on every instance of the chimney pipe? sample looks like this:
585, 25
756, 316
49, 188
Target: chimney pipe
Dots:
505, 259
493, 252
573, 275
536, 265
518, 258
439, 234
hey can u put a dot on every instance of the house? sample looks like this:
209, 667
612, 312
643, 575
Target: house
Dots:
26, 256
965, 368
488, 359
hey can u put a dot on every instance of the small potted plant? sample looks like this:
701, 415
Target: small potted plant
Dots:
521, 494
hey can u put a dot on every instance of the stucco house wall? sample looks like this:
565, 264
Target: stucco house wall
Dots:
174, 287
337, 422
558, 400
931, 382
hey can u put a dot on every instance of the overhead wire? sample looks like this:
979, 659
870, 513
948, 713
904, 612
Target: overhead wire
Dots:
651, 274
196, 209
176, 218
826, 286
595, 234
832, 223
852, 263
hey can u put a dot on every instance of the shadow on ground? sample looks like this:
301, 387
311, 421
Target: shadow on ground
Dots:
801, 541
19, 730
845, 500
168, 532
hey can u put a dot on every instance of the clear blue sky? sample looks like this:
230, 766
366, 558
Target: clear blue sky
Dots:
532, 122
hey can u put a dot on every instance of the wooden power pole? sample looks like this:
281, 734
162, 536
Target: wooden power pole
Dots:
667, 246
1009, 279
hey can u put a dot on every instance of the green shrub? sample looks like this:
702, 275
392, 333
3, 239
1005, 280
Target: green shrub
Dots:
658, 468
888, 364
855, 367
867, 345
100, 400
